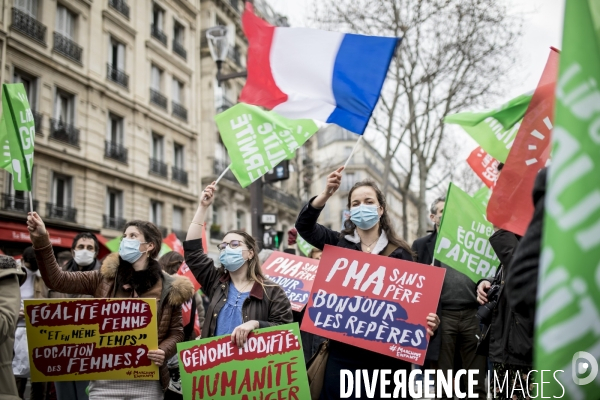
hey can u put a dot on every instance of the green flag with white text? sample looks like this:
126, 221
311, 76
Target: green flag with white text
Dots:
494, 130
482, 197
257, 140
463, 239
567, 334
17, 134
303, 246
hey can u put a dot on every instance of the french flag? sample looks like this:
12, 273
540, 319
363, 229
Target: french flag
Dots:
303, 73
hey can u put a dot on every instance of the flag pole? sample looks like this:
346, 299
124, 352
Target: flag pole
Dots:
350, 156
220, 177
31, 201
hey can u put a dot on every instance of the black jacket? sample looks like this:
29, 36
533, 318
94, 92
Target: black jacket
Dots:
341, 355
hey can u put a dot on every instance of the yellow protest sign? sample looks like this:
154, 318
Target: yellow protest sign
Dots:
91, 339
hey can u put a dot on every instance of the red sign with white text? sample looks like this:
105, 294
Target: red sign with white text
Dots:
374, 302
484, 165
511, 206
294, 274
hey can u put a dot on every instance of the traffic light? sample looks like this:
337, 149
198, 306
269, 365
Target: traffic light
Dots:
273, 239
277, 239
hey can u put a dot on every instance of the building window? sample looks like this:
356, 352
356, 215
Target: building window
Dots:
240, 218
121, 6
157, 29
62, 192
349, 180
179, 173
156, 96
64, 41
116, 63
114, 147
177, 223
17, 200
62, 125
24, 20
29, 7
178, 99
179, 39
156, 215
65, 22
113, 219
157, 165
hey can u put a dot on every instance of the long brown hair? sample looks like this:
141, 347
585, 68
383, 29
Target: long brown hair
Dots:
170, 262
384, 221
151, 234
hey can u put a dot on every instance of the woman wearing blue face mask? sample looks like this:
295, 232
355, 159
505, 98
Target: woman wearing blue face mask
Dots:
241, 298
131, 273
369, 229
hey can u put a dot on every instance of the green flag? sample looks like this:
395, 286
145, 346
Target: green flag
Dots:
258, 140
482, 197
17, 134
494, 130
303, 246
567, 334
114, 244
463, 240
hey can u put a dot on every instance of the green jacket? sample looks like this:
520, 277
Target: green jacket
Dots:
10, 304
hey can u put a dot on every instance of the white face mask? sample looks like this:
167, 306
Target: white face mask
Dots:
84, 257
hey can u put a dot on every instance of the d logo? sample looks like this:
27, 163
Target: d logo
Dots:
583, 363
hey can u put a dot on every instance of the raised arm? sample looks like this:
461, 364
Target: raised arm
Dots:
201, 265
55, 278
306, 224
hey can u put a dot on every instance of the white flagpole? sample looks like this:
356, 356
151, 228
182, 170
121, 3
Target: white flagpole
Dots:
31, 201
351, 154
220, 177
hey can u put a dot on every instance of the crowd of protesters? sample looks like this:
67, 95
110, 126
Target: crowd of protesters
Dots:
237, 298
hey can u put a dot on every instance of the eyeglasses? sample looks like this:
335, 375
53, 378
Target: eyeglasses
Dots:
234, 244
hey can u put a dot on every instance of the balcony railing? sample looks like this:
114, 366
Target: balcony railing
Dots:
116, 151
68, 48
218, 168
224, 104
121, 6
179, 111
281, 197
17, 203
28, 25
112, 222
64, 132
158, 34
37, 120
158, 167
179, 49
179, 175
61, 212
158, 99
116, 75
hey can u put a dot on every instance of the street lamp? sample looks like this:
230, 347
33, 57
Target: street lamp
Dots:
218, 43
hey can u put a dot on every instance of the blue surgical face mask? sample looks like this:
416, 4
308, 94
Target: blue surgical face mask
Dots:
232, 259
129, 250
364, 216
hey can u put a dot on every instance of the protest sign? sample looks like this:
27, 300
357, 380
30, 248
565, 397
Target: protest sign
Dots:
568, 295
484, 165
294, 274
374, 302
463, 240
270, 366
494, 130
510, 206
303, 246
91, 339
257, 140
17, 135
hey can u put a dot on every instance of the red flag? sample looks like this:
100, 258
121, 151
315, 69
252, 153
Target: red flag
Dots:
510, 206
184, 270
204, 240
173, 243
484, 165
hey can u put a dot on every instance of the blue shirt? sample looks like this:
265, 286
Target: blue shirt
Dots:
230, 316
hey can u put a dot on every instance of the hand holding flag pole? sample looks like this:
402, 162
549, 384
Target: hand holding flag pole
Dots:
215, 183
349, 157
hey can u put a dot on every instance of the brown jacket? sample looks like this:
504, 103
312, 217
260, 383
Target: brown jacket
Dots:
101, 284
269, 306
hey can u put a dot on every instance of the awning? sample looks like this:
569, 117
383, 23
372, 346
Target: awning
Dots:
15, 232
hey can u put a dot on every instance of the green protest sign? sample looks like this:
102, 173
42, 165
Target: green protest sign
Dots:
482, 197
257, 140
494, 130
463, 240
303, 246
17, 134
270, 366
568, 310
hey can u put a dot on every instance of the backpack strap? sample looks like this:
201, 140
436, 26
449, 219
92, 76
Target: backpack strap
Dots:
389, 249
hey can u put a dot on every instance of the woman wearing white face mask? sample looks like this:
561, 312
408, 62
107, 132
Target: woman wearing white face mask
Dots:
131, 273
241, 298
369, 229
